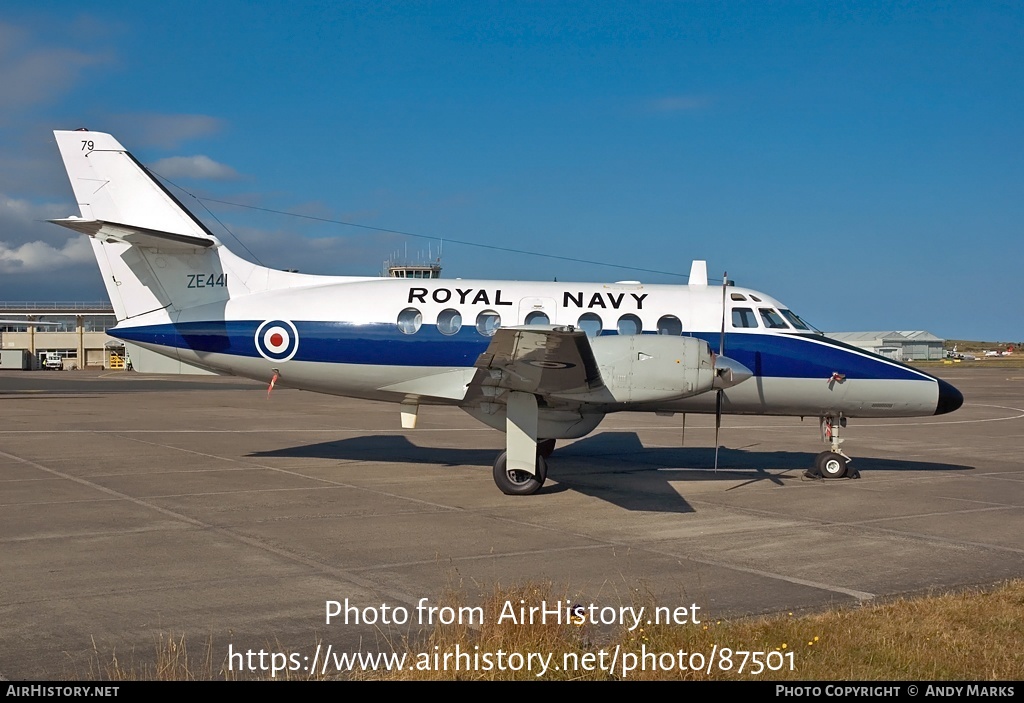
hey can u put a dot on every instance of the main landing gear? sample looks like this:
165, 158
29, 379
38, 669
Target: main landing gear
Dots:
514, 482
832, 463
522, 468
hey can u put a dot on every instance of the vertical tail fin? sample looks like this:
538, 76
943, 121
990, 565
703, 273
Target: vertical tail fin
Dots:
112, 187
155, 256
153, 253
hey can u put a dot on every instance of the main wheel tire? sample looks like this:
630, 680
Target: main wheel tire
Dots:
519, 483
831, 465
546, 447
815, 470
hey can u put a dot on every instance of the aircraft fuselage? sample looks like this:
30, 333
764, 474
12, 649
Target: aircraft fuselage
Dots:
349, 340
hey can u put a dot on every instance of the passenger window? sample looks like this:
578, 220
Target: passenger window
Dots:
449, 321
670, 324
630, 324
591, 324
772, 320
537, 318
488, 322
409, 321
743, 317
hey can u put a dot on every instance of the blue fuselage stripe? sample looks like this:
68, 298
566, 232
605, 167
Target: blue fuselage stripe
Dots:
767, 355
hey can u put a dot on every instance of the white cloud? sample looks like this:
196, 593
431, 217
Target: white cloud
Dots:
37, 74
160, 130
29, 244
20, 219
198, 166
38, 256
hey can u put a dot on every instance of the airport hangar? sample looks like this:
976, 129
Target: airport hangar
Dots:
916, 345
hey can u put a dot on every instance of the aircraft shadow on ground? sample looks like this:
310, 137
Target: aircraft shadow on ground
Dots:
611, 466
385, 448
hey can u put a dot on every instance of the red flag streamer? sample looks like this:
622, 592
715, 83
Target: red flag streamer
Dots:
272, 382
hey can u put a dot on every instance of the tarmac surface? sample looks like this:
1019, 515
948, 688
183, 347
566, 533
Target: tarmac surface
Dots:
134, 507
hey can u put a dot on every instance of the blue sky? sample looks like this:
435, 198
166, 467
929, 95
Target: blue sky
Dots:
862, 162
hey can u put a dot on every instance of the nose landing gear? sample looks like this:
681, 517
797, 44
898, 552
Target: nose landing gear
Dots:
833, 463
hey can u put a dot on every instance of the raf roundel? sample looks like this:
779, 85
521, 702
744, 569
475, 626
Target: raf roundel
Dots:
277, 340
541, 364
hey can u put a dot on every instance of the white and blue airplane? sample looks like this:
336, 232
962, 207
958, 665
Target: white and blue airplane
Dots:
540, 361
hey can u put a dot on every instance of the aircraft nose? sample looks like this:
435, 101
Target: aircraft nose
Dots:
729, 372
949, 398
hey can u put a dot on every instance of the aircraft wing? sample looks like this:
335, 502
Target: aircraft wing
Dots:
541, 359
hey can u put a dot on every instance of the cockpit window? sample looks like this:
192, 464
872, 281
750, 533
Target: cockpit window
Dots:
795, 320
743, 317
737, 296
772, 320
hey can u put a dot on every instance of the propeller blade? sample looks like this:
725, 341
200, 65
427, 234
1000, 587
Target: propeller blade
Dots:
718, 423
721, 339
721, 354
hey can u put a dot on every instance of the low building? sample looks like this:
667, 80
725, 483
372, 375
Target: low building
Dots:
916, 345
74, 333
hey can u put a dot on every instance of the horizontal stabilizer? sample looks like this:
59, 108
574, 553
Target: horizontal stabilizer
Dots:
110, 232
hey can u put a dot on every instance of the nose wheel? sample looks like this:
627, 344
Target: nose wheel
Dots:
830, 465
833, 463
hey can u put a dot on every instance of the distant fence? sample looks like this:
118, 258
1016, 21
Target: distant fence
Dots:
56, 307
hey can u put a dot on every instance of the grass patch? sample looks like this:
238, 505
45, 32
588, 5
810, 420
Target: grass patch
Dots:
172, 661
985, 362
969, 346
972, 635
